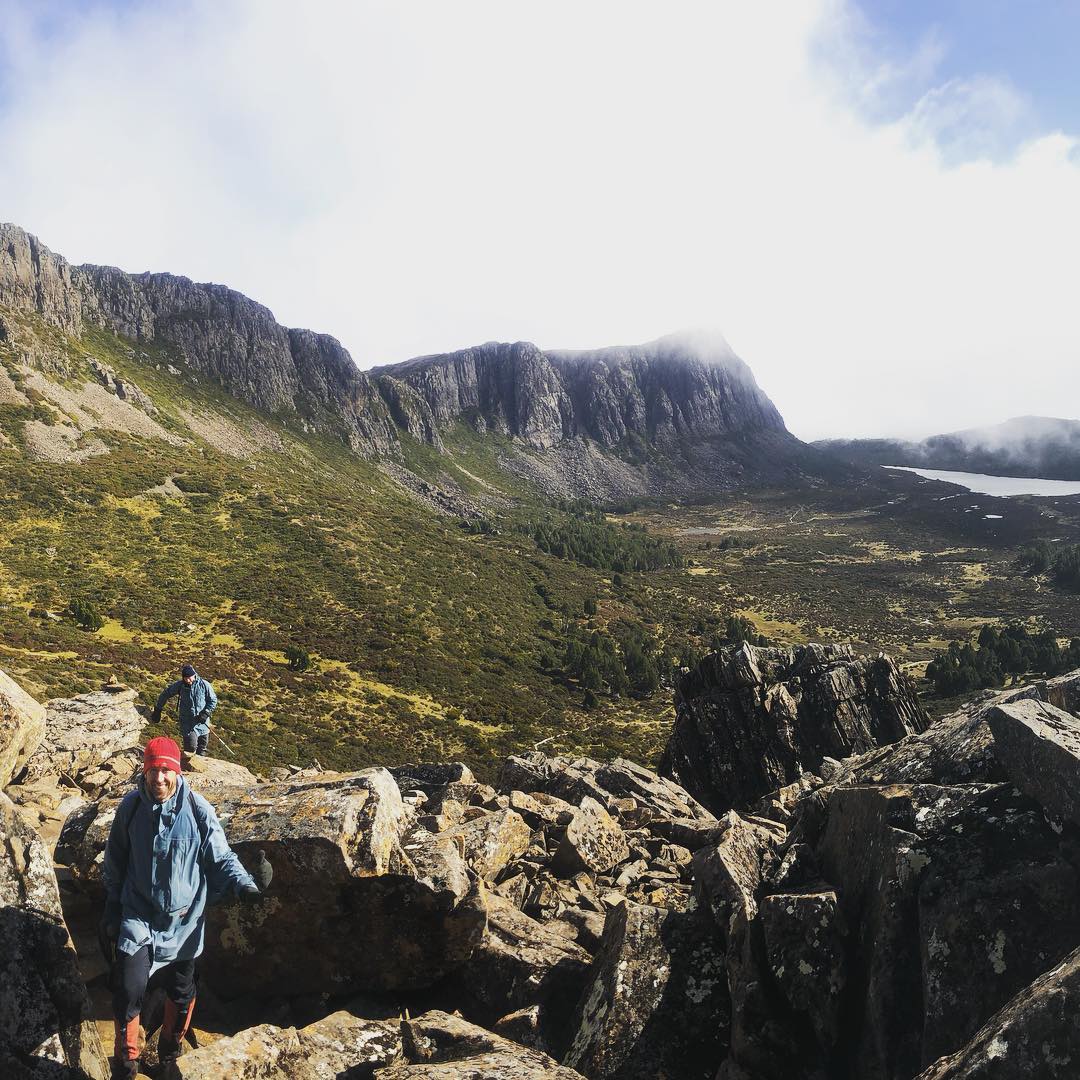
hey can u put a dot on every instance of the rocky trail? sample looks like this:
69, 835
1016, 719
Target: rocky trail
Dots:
823, 885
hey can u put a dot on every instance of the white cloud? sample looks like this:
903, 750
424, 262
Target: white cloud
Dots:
414, 177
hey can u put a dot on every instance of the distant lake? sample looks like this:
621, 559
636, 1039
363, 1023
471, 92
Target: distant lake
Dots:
1002, 486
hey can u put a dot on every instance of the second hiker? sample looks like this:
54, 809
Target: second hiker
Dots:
197, 703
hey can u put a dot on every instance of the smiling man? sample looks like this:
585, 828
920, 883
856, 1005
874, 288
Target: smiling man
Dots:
165, 856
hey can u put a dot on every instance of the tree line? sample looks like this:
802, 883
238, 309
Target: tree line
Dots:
584, 536
1061, 561
998, 654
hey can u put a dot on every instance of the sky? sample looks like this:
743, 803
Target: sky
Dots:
876, 202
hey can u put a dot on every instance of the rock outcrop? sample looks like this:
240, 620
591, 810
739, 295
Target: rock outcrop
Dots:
750, 720
913, 909
909, 900
1034, 1035
45, 1029
22, 726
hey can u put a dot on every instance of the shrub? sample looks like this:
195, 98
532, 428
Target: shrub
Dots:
85, 614
298, 657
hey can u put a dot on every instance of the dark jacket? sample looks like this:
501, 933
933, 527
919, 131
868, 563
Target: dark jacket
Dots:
197, 702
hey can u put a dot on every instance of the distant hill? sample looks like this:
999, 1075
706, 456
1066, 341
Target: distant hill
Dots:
1041, 446
681, 415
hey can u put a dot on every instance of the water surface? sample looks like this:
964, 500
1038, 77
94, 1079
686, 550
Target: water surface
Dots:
1001, 486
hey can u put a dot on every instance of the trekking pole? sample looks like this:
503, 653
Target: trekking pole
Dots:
222, 741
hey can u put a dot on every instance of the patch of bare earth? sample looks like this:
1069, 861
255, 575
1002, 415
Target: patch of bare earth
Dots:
167, 488
60, 444
92, 408
230, 436
9, 392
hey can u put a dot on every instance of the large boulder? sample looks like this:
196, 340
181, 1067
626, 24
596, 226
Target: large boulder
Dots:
22, 726
1036, 1034
656, 1003
83, 732
45, 1025
439, 1046
360, 898
751, 720
573, 779
491, 841
1039, 747
522, 964
340, 1045
592, 841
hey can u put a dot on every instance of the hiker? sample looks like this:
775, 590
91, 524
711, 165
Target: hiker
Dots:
166, 854
197, 702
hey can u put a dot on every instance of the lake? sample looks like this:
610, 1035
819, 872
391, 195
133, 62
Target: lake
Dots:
1002, 486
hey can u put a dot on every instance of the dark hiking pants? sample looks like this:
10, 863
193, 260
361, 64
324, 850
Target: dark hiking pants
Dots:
195, 744
131, 979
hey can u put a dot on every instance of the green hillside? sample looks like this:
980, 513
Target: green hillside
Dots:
431, 635
192, 528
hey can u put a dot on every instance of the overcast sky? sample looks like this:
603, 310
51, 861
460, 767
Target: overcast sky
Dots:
878, 204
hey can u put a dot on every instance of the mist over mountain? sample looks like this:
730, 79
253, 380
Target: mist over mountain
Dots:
679, 415
1038, 446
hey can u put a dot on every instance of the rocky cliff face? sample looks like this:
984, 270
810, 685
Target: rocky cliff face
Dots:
681, 413
678, 388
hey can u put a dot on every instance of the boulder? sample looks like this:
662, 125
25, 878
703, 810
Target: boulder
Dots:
82, 733
522, 964
1036, 1034
749, 720
430, 776
337, 1046
955, 898
438, 1046
22, 727
656, 1003
491, 841
573, 779
360, 900
1038, 745
593, 841
728, 873
45, 1025
805, 940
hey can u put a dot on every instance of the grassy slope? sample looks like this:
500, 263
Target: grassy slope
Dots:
425, 637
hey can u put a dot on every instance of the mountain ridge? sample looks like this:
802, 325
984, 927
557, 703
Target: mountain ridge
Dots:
675, 415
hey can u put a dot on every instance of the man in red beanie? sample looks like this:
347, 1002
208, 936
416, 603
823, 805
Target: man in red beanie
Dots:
165, 854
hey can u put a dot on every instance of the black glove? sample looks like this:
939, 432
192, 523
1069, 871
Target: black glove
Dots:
249, 894
155, 716
108, 935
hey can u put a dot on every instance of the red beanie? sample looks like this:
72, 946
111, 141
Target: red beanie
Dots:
161, 752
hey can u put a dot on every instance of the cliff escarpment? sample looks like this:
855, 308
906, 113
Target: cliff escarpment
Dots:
679, 414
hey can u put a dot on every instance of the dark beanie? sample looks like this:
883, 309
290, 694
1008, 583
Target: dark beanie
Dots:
186, 671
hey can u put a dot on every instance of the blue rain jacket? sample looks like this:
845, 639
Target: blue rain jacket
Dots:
162, 862
197, 702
